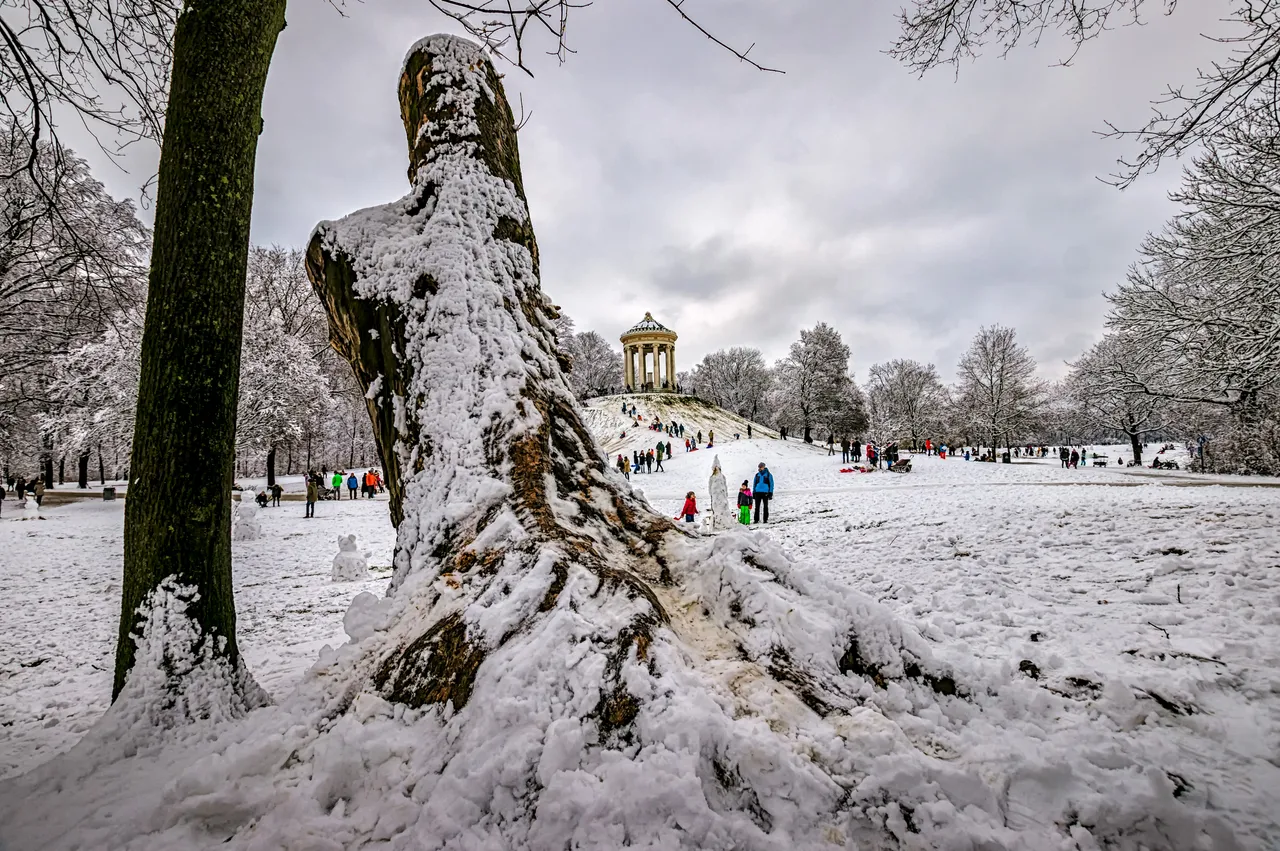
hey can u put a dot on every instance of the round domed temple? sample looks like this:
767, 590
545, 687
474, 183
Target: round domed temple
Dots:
647, 339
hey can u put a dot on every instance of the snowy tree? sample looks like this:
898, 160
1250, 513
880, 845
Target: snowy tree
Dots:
910, 399
95, 395
998, 391
736, 379
71, 258
597, 366
1104, 385
281, 389
812, 382
1203, 302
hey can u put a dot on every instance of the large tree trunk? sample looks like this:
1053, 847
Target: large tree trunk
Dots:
178, 512
82, 478
102, 470
48, 470
271, 466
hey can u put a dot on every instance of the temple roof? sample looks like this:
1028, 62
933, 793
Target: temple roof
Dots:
648, 324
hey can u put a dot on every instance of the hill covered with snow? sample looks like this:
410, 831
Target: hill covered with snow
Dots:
618, 432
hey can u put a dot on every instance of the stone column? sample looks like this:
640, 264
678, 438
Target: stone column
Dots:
662, 365
626, 367
671, 365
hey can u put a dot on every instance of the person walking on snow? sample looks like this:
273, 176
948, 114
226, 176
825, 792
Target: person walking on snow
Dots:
831, 444
337, 484
352, 484
276, 490
1074, 459
313, 493
690, 509
762, 492
661, 449
648, 461
623, 467
744, 504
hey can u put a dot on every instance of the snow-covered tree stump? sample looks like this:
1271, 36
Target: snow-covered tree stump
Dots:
536, 611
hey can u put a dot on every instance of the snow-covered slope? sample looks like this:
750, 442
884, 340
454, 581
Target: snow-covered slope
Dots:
618, 432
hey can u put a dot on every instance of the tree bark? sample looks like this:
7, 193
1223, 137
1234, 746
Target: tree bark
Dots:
48, 470
271, 467
62, 469
82, 479
102, 470
178, 512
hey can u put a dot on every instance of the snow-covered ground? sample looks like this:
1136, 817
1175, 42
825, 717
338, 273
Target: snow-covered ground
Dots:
61, 580
1148, 609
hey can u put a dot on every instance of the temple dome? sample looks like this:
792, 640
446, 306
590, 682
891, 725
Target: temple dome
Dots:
648, 324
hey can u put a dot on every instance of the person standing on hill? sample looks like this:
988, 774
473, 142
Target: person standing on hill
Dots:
352, 484
748, 431
1064, 455
662, 448
623, 467
648, 461
762, 492
313, 493
844, 450
276, 490
336, 483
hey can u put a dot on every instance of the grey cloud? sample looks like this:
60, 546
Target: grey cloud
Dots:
740, 206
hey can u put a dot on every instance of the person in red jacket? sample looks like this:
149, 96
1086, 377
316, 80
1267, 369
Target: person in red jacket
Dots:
690, 507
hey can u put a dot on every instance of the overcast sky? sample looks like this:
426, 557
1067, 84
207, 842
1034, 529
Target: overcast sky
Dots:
740, 207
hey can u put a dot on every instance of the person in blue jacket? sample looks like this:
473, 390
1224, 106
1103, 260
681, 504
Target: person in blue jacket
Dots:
761, 492
352, 484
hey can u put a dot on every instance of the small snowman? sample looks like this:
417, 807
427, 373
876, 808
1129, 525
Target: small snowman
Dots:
350, 565
31, 509
245, 525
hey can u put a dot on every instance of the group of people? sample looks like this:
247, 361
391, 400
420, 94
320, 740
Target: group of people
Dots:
322, 486
759, 492
20, 487
643, 461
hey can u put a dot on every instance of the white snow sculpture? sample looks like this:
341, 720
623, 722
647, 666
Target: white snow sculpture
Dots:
718, 517
245, 525
349, 565
30, 509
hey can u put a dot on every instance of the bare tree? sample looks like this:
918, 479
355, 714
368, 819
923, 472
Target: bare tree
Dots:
106, 60
910, 395
1104, 385
597, 366
998, 390
736, 379
812, 382
944, 32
